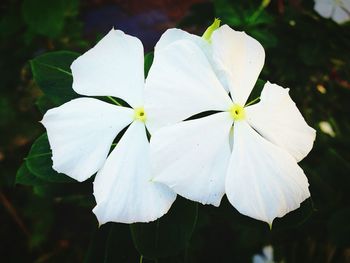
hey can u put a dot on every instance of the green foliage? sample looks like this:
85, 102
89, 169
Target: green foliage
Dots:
25, 177
249, 17
168, 235
148, 62
52, 73
39, 162
47, 18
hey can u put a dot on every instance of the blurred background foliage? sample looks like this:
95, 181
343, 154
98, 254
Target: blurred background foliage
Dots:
45, 217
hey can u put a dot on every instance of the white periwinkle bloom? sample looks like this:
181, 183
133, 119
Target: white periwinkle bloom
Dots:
81, 133
259, 173
338, 10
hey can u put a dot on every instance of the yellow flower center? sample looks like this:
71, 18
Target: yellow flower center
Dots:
237, 112
140, 114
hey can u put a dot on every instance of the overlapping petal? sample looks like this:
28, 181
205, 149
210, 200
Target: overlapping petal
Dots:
324, 7
263, 181
278, 120
341, 15
180, 84
174, 34
114, 67
81, 132
338, 10
123, 188
192, 157
239, 58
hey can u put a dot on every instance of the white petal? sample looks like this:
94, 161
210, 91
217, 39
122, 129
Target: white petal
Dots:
324, 7
123, 188
114, 67
340, 15
191, 157
174, 34
81, 133
345, 4
263, 180
180, 84
240, 58
277, 118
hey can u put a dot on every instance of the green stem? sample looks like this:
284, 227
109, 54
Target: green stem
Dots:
253, 101
256, 14
114, 101
141, 259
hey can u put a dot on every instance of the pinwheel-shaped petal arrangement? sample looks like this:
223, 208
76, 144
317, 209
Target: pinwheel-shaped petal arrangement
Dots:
248, 152
81, 133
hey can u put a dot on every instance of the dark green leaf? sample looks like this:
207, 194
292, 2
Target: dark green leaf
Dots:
44, 104
229, 14
264, 36
40, 164
168, 235
52, 73
148, 62
47, 17
24, 176
256, 92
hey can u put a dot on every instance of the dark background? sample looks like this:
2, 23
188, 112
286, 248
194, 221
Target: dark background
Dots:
54, 222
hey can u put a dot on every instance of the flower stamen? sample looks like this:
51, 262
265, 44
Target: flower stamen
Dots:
140, 114
237, 112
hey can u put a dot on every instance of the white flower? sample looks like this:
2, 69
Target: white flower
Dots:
266, 257
338, 10
81, 133
260, 175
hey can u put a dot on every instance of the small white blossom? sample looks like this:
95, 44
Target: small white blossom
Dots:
81, 133
338, 10
260, 174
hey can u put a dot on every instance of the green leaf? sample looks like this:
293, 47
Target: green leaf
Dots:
47, 17
24, 176
52, 73
168, 235
40, 164
229, 14
148, 62
256, 92
44, 104
264, 36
